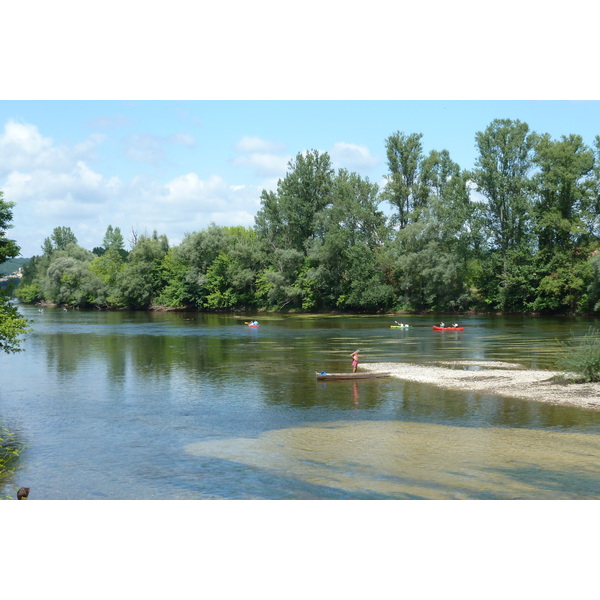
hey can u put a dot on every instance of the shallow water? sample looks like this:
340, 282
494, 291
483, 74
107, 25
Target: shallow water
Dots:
423, 460
189, 406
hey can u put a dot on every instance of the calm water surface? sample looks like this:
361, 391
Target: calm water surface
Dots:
124, 405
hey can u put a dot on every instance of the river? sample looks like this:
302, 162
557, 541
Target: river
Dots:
153, 405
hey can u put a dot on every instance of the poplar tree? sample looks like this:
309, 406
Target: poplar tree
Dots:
502, 177
404, 185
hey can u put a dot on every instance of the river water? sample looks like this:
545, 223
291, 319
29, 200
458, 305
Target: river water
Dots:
135, 405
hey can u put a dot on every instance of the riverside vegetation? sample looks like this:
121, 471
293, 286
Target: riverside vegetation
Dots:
12, 327
519, 232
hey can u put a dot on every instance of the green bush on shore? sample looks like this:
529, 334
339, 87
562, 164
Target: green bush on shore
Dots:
9, 454
581, 356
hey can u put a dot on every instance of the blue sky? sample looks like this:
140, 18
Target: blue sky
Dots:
177, 166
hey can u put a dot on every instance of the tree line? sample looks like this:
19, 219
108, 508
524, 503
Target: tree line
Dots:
517, 232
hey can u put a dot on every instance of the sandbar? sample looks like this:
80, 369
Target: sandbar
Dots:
496, 378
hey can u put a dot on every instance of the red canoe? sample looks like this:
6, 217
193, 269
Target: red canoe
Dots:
447, 328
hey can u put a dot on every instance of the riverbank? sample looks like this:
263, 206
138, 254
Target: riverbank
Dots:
496, 378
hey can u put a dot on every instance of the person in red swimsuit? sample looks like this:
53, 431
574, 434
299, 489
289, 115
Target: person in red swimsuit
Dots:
354, 357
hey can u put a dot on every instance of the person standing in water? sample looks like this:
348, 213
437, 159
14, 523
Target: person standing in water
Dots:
354, 357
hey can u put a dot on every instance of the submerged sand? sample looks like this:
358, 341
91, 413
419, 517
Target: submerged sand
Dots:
497, 378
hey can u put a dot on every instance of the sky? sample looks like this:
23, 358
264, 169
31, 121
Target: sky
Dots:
178, 166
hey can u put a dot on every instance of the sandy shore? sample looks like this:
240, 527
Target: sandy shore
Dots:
497, 378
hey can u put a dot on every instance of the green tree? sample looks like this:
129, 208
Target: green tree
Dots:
288, 218
69, 280
502, 176
592, 218
29, 289
565, 201
432, 278
108, 266
59, 240
140, 282
218, 282
343, 271
593, 288
434, 251
404, 185
113, 239
174, 271
278, 285
206, 253
563, 190
287, 224
12, 324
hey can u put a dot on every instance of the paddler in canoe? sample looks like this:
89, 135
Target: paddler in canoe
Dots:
453, 327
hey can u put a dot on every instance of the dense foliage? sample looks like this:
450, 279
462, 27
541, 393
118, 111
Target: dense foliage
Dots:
9, 456
12, 324
519, 232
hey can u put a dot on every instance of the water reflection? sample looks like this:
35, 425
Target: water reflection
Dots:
107, 403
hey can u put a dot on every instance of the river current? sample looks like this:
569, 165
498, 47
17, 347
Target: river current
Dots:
133, 405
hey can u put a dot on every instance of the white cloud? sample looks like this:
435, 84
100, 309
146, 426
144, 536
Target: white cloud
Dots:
22, 147
353, 156
188, 203
265, 158
200, 199
42, 186
88, 202
264, 165
54, 185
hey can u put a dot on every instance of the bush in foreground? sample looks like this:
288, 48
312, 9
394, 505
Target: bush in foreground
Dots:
581, 356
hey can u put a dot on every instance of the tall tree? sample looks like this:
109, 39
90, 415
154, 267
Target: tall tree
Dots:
431, 268
563, 189
288, 217
404, 186
564, 208
61, 237
501, 175
288, 222
344, 263
141, 280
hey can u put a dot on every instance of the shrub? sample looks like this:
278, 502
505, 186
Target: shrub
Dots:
9, 454
581, 356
